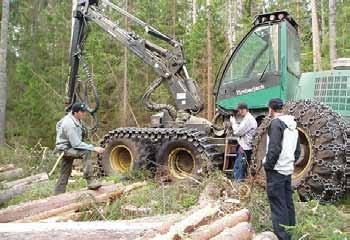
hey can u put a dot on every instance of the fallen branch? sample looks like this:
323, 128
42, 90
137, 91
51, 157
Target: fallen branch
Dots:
56, 164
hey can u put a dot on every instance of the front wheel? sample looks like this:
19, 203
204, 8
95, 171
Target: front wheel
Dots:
319, 171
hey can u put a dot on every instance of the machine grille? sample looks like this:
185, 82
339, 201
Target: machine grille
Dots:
334, 91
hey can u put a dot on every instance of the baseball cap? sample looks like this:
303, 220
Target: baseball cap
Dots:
242, 105
276, 104
78, 106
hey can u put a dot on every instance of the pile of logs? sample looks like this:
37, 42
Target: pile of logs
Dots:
40, 219
11, 187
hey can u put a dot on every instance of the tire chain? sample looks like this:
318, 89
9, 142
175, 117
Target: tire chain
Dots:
157, 135
331, 125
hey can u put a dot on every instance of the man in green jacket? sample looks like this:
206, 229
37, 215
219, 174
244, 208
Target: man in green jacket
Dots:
69, 141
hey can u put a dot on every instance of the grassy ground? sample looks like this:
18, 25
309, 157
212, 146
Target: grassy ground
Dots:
315, 221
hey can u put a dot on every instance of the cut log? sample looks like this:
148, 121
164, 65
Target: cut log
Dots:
13, 192
68, 216
19, 189
213, 229
28, 180
242, 231
101, 230
130, 210
11, 174
105, 197
31, 208
265, 236
7, 167
188, 224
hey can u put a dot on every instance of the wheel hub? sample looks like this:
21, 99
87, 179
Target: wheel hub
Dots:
121, 158
181, 163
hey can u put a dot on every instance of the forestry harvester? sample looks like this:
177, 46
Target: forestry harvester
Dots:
264, 65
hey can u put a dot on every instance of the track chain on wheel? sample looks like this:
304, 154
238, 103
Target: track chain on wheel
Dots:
156, 136
327, 176
347, 165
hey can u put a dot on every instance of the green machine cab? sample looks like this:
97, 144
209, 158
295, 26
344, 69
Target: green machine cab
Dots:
266, 63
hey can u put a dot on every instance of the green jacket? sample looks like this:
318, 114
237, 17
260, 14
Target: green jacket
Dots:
70, 134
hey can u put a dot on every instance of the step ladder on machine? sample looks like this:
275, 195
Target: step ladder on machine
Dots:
230, 154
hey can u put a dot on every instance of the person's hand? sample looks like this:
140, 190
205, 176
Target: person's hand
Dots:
233, 120
99, 150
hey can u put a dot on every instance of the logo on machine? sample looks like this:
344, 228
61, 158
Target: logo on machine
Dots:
249, 90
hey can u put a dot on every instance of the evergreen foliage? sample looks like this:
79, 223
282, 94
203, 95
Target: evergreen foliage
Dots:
39, 53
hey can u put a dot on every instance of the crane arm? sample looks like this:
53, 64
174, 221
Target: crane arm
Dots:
168, 64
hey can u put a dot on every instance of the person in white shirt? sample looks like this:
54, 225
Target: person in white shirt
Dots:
245, 131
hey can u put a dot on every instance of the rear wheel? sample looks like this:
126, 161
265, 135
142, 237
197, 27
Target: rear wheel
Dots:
178, 159
319, 172
123, 155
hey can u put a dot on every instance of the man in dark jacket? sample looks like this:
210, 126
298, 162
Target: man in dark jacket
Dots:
283, 149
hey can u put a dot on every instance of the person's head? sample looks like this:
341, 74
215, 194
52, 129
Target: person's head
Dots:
275, 106
242, 109
79, 110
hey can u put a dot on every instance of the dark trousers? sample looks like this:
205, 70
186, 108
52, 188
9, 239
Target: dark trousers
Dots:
240, 164
67, 164
279, 192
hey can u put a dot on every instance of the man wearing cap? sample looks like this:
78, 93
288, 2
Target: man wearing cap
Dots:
245, 131
283, 149
69, 141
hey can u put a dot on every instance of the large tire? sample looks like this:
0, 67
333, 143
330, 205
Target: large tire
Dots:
320, 171
179, 159
123, 155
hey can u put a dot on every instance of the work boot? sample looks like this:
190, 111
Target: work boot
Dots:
93, 184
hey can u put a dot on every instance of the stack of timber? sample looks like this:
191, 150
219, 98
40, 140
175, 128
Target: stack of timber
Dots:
47, 219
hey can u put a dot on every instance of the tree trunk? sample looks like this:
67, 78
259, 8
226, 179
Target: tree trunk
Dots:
105, 197
194, 11
188, 224
28, 180
242, 231
332, 32
174, 18
231, 23
19, 189
208, 231
101, 230
31, 208
125, 79
210, 105
11, 174
3, 66
316, 46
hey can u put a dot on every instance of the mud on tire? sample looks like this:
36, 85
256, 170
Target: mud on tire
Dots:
320, 171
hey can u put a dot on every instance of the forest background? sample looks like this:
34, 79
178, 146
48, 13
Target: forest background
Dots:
38, 55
